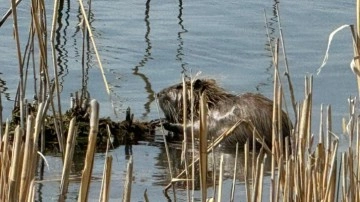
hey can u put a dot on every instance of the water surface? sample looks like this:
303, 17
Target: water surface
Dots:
147, 45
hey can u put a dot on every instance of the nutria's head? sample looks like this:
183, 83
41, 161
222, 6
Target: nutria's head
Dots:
171, 98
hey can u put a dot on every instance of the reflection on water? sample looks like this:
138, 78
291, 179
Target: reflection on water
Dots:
3, 88
180, 54
272, 34
199, 34
61, 41
143, 61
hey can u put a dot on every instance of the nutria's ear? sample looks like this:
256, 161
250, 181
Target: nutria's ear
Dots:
198, 84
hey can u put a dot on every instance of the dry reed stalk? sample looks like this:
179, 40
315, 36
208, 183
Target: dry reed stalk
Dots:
88, 27
21, 77
308, 87
8, 13
104, 194
28, 158
1, 120
68, 156
357, 159
221, 174
257, 179
274, 122
61, 139
350, 165
275, 116
184, 143
203, 147
343, 176
14, 177
31, 197
253, 157
209, 149
246, 171
167, 155
234, 174
38, 17
281, 141
193, 140
5, 164
89, 159
184, 152
287, 71
38, 121
281, 177
357, 44
327, 152
330, 188
213, 172
105, 183
286, 186
308, 185
321, 125
128, 181
261, 179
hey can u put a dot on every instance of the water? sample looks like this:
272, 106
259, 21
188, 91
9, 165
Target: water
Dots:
145, 46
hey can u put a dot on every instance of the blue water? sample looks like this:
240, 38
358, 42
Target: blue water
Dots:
145, 46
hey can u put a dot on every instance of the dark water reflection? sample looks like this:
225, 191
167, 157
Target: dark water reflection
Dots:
61, 40
144, 60
180, 51
3, 88
272, 34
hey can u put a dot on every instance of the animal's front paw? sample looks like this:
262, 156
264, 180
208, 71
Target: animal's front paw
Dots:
166, 125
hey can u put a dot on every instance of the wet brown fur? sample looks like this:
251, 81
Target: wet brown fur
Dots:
224, 110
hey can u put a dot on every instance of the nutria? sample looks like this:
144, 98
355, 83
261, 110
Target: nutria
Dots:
224, 110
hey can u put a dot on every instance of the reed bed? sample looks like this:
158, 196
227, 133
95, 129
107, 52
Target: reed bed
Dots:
21, 150
302, 168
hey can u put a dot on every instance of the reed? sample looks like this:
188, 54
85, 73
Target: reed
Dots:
69, 153
128, 182
105, 188
90, 152
105, 185
202, 147
16, 158
1, 119
19, 149
28, 158
88, 27
58, 123
184, 154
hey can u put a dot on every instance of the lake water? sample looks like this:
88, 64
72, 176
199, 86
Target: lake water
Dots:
146, 45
